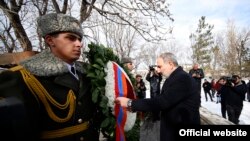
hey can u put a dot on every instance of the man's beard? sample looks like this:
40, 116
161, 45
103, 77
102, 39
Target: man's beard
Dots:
166, 76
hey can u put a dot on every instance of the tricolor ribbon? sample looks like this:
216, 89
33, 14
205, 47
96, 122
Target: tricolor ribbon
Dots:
122, 87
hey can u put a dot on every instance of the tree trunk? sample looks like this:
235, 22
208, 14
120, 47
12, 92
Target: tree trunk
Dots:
20, 32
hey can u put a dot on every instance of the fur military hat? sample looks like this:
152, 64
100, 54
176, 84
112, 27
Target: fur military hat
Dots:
54, 22
138, 75
126, 60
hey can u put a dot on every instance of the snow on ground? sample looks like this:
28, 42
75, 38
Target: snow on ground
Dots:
216, 107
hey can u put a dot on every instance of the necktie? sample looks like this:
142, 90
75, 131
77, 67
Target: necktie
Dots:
73, 70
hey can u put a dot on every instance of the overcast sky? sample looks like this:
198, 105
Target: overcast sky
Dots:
187, 13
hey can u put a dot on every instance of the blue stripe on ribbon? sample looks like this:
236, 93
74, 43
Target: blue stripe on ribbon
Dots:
119, 119
120, 91
120, 85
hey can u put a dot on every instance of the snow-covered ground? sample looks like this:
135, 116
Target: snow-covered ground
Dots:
216, 108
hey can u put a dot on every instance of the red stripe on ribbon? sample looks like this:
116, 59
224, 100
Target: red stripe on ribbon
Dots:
123, 88
120, 113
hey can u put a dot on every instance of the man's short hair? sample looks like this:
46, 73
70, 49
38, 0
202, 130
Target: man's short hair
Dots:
56, 23
168, 56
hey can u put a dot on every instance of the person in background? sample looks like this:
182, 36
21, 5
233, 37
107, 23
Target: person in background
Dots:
235, 92
197, 73
213, 82
154, 80
207, 87
221, 96
248, 91
140, 87
178, 102
127, 63
48, 96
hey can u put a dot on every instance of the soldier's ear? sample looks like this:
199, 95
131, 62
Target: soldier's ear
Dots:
49, 41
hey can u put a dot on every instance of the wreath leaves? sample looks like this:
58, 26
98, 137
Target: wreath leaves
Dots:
98, 57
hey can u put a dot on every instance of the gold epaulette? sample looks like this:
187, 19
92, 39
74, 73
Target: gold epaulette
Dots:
65, 131
16, 68
40, 93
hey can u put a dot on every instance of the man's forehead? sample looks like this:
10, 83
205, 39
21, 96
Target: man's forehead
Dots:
160, 60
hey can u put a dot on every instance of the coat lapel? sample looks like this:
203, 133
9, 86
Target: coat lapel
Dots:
170, 79
68, 80
84, 87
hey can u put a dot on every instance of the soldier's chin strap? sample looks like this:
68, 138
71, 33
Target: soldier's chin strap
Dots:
41, 94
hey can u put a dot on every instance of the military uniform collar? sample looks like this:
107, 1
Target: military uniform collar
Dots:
47, 64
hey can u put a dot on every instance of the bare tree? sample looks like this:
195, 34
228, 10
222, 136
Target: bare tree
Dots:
230, 57
243, 39
6, 36
216, 55
237, 51
11, 9
42, 8
145, 17
130, 11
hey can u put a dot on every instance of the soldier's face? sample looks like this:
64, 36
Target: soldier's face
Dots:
66, 46
130, 66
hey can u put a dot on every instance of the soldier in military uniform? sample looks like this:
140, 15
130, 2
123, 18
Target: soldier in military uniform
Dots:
127, 63
48, 96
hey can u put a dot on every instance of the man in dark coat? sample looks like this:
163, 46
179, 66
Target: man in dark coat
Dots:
140, 87
197, 73
234, 91
178, 101
221, 95
207, 88
52, 88
154, 80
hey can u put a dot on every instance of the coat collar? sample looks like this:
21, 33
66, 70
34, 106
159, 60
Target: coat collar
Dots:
47, 64
178, 69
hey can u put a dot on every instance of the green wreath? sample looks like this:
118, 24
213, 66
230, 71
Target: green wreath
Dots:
98, 56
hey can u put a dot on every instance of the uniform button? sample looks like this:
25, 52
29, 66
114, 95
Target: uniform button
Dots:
79, 120
81, 138
79, 103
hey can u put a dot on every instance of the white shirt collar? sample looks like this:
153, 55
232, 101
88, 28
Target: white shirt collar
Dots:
69, 68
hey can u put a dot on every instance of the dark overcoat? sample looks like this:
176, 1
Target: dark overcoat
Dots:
178, 102
34, 120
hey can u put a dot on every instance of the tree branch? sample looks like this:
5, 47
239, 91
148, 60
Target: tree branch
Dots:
56, 6
65, 6
85, 10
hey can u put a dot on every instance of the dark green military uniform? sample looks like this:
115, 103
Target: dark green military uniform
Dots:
56, 116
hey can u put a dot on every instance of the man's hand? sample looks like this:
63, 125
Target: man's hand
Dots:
123, 101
